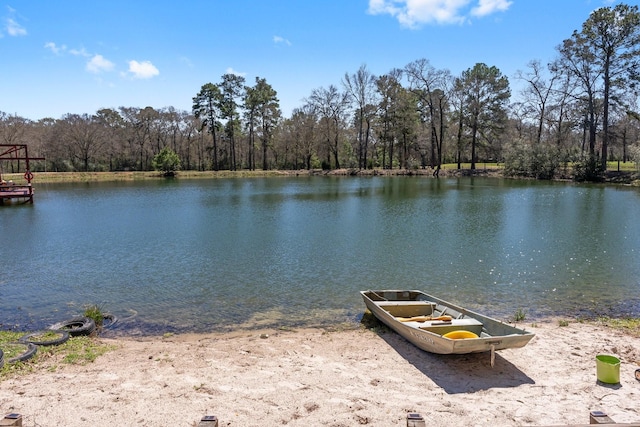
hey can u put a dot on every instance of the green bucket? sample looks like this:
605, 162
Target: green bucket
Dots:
608, 368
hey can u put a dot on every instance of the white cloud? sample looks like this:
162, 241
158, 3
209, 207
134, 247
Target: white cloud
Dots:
487, 7
14, 29
412, 13
11, 26
79, 52
143, 70
62, 49
98, 64
55, 48
281, 40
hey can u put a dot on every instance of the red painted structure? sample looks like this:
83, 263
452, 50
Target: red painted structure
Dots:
8, 189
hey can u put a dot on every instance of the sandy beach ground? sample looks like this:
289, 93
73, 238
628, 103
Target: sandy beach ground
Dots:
341, 378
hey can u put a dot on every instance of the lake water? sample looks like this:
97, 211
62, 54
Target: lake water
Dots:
221, 254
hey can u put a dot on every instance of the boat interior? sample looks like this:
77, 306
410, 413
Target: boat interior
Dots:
431, 316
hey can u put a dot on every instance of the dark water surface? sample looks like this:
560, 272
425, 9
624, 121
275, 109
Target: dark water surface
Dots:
221, 254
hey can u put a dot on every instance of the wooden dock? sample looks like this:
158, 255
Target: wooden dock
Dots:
16, 155
23, 193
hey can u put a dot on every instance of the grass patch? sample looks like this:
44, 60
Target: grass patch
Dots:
12, 350
76, 351
96, 313
83, 350
629, 325
53, 177
479, 165
519, 315
624, 166
9, 336
45, 335
48, 337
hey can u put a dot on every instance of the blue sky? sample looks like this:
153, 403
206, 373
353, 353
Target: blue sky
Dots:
78, 56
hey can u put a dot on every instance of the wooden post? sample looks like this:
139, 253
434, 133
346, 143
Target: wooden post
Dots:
599, 417
415, 420
208, 421
13, 420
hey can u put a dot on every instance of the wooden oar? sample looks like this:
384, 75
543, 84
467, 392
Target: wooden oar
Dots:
425, 318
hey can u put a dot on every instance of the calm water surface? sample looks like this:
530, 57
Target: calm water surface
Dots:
220, 254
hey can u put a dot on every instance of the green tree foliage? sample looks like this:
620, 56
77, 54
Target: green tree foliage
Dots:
231, 89
604, 56
396, 117
166, 161
614, 36
484, 107
262, 105
114, 126
531, 160
206, 108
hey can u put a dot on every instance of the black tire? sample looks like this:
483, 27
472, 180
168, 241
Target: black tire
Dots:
1, 358
76, 326
62, 337
29, 351
108, 320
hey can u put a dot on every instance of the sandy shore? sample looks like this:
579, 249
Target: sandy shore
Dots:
337, 379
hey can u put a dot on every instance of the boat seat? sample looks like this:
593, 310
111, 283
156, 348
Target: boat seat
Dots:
407, 308
441, 328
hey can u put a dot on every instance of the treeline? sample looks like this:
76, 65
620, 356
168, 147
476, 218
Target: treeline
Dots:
581, 109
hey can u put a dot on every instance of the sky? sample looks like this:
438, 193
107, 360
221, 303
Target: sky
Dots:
62, 57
